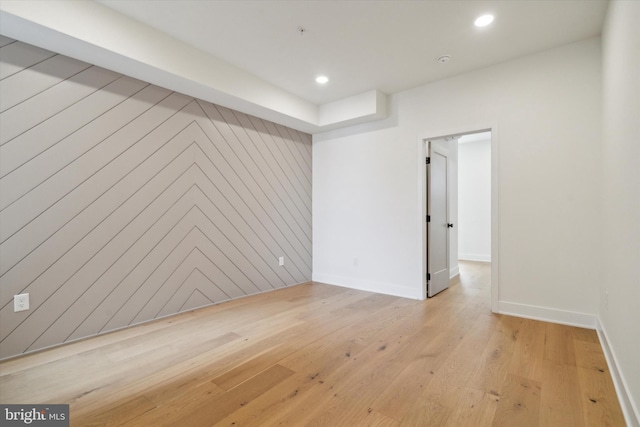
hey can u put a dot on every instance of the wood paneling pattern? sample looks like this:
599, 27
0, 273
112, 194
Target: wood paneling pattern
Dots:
121, 201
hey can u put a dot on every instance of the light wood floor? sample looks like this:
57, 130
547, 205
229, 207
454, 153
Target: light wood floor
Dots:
319, 355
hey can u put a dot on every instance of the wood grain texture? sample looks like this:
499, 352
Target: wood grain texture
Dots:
320, 355
122, 202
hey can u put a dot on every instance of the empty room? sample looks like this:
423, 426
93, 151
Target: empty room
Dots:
320, 213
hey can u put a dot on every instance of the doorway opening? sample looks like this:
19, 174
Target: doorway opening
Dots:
471, 209
474, 197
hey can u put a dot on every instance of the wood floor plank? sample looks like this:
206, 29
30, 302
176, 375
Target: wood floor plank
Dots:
475, 407
596, 386
496, 357
117, 414
458, 368
173, 411
426, 413
529, 350
321, 355
313, 365
589, 356
209, 412
560, 402
135, 378
519, 404
400, 395
276, 348
268, 407
208, 404
368, 418
339, 400
582, 334
558, 346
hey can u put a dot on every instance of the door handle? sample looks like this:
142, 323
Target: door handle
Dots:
449, 225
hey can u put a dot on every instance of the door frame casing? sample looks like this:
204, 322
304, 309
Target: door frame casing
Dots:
422, 151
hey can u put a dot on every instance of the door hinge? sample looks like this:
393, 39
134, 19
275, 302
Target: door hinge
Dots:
428, 218
428, 160
428, 276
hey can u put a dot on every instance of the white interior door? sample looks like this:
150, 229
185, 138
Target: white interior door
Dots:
437, 221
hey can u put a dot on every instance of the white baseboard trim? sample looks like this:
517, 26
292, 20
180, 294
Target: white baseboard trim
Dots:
545, 314
629, 408
455, 271
474, 257
369, 285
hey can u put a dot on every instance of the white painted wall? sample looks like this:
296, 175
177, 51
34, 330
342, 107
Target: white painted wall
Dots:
474, 200
546, 108
620, 312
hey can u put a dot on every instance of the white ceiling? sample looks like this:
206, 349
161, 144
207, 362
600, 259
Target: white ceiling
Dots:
249, 55
364, 45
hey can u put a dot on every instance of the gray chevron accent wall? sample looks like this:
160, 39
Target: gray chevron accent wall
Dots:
122, 202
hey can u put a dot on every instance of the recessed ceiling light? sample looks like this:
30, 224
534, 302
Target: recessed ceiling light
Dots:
444, 59
322, 79
484, 20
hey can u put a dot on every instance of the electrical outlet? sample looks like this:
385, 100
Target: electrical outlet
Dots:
281, 261
20, 302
